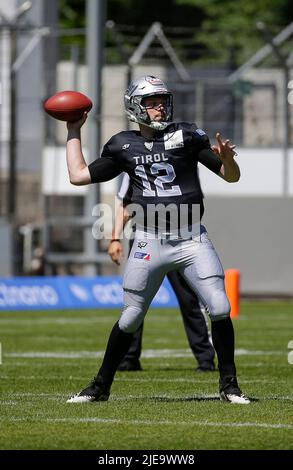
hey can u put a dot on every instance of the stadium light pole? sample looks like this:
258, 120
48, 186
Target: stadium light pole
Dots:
95, 14
12, 26
286, 78
12, 181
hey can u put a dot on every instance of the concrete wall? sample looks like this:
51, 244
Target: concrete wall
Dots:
263, 108
254, 235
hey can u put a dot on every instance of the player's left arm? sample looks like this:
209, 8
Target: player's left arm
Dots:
115, 249
229, 170
219, 159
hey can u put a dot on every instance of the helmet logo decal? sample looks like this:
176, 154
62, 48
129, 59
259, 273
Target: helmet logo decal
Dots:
154, 80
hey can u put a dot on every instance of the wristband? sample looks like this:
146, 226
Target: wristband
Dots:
115, 240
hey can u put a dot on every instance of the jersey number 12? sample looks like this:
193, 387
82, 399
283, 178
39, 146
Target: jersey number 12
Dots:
159, 182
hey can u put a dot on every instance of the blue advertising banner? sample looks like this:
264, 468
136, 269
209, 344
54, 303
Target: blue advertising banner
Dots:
38, 293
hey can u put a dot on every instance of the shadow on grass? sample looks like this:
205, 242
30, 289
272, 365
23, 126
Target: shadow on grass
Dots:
169, 399
196, 399
178, 369
181, 399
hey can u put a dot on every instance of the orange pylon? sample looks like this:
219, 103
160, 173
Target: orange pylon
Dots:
232, 285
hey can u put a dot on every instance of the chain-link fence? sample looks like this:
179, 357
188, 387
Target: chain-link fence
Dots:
250, 110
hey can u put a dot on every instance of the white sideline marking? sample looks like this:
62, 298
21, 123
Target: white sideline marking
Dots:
58, 355
37, 395
196, 381
193, 379
172, 423
147, 353
111, 317
57, 321
155, 423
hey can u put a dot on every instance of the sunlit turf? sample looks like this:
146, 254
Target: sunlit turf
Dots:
166, 406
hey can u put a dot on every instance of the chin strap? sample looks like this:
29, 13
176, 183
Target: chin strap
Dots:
158, 126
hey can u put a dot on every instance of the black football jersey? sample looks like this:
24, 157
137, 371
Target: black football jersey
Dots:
162, 170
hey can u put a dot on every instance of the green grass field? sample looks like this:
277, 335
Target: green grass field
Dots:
48, 356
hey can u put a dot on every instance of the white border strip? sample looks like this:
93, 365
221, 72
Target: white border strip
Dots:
147, 353
155, 423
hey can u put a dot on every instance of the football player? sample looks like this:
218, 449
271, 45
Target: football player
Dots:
161, 159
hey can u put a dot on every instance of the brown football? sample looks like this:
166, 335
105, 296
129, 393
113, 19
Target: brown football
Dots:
68, 105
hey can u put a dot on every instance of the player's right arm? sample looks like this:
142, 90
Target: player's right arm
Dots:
102, 169
77, 168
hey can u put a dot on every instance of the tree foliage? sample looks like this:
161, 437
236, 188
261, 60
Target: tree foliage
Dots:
216, 30
133, 12
230, 25
72, 13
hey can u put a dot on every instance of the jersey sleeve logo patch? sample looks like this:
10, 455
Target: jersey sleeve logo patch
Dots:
145, 256
200, 132
125, 146
173, 140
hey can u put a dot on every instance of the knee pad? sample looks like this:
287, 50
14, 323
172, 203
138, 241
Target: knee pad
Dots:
131, 319
219, 307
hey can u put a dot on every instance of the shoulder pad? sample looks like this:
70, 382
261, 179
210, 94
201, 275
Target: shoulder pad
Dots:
120, 141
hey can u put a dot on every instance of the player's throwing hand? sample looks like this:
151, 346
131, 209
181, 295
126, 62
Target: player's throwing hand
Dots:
76, 125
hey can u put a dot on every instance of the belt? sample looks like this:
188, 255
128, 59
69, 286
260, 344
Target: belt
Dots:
186, 233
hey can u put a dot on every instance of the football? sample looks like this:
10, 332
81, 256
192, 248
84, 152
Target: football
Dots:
67, 105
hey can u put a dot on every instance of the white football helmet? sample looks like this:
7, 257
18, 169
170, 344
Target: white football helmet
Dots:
140, 89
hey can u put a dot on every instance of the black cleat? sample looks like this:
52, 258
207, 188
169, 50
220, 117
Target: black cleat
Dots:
95, 391
230, 391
